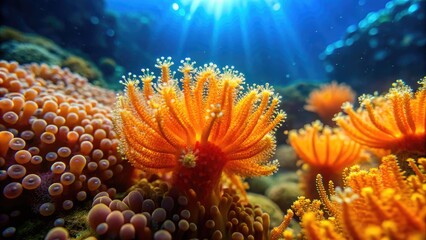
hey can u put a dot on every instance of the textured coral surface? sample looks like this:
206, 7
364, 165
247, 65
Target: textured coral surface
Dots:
57, 143
151, 210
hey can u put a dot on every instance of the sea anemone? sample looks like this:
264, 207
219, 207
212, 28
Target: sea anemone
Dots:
324, 150
327, 100
395, 121
380, 203
57, 143
208, 127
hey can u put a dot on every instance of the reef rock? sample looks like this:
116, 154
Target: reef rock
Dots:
372, 54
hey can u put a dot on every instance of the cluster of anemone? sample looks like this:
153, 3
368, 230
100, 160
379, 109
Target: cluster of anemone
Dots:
57, 142
395, 121
152, 210
327, 100
380, 203
200, 130
323, 150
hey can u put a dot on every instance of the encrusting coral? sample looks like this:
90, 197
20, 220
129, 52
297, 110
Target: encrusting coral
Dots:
57, 143
27, 48
83, 67
207, 128
327, 100
395, 121
380, 203
152, 210
324, 150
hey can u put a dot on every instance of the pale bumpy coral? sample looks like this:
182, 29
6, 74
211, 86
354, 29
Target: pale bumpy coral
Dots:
268, 206
57, 143
153, 211
57, 233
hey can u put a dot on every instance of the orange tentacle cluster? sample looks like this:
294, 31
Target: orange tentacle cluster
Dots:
208, 127
327, 100
324, 147
396, 121
324, 150
380, 203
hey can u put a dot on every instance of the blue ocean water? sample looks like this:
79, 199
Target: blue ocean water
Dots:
276, 41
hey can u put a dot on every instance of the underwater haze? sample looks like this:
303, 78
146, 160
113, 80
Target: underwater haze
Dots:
268, 40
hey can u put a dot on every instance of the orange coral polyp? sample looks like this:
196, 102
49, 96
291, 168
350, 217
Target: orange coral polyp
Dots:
396, 121
380, 203
208, 127
325, 148
327, 100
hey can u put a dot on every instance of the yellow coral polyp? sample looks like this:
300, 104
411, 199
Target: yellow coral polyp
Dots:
189, 159
207, 114
382, 204
396, 121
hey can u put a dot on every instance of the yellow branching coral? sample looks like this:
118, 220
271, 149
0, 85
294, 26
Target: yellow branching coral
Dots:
208, 127
377, 204
280, 231
327, 100
326, 151
396, 121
